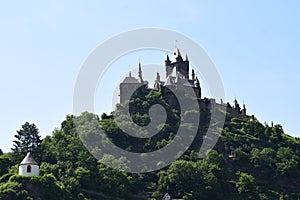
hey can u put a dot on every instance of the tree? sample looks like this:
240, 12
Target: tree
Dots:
194, 180
246, 185
263, 159
1, 152
5, 163
287, 160
27, 139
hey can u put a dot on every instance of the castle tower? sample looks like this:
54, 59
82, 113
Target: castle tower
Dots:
130, 84
177, 77
176, 62
127, 87
28, 166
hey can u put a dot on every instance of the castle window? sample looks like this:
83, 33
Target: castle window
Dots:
28, 169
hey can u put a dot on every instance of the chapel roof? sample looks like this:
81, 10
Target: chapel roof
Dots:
28, 160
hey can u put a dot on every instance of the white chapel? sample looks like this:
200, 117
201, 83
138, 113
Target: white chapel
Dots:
28, 166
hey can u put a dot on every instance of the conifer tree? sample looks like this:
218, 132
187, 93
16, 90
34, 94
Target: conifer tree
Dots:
27, 139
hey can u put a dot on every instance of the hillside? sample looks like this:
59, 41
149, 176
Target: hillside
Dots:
251, 160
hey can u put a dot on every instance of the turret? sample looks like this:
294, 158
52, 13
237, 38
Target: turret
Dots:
168, 66
244, 111
193, 74
157, 82
157, 77
140, 73
186, 57
167, 59
198, 88
237, 106
177, 63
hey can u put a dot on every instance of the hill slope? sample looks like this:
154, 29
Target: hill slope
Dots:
250, 161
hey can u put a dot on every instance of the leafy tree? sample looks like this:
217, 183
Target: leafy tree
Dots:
1, 152
5, 163
246, 185
287, 160
194, 180
263, 159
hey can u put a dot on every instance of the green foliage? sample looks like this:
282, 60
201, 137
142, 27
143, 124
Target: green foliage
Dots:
5, 164
250, 161
41, 187
246, 185
194, 180
287, 160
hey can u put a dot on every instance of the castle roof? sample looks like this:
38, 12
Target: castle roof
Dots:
28, 160
130, 80
176, 55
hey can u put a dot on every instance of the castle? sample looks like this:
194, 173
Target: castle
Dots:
177, 74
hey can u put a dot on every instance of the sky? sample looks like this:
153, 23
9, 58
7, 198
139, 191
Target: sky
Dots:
254, 45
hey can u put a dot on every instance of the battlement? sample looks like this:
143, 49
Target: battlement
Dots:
235, 110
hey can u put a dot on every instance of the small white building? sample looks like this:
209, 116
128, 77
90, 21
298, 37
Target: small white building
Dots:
28, 166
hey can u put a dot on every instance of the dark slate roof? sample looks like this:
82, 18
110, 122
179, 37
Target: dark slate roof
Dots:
28, 160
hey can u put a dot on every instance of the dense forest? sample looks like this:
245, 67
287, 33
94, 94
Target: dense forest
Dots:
251, 160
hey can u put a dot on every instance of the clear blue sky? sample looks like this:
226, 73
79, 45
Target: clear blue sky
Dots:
255, 46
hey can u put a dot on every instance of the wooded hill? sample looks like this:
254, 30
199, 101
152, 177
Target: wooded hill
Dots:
251, 160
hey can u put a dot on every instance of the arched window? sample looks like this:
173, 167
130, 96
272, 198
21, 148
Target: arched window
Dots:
28, 169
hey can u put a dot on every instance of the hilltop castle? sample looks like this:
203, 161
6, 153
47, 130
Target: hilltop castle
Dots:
177, 75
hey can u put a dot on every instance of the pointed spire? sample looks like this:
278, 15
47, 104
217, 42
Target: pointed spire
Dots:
244, 111
140, 70
167, 59
193, 74
157, 82
197, 83
140, 73
129, 73
157, 77
186, 57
